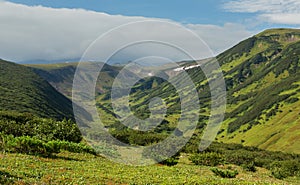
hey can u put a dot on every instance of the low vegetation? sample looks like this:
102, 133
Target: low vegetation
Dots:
41, 145
28, 134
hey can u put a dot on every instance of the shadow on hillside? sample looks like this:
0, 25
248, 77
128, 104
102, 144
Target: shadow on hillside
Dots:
7, 178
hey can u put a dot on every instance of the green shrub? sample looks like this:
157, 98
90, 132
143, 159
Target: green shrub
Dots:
225, 173
207, 159
43, 129
283, 169
249, 167
32, 145
292, 100
172, 161
28, 145
74, 147
240, 157
6, 178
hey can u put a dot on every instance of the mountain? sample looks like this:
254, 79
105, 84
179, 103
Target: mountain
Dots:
262, 76
61, 75
263, 90
24, 91
42, 61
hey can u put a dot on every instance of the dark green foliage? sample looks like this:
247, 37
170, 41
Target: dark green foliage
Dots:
225, 173
283, 169
28, 145
292, 100
172, 161
237, 51
240, 157
140, 138
45, 129
207, 159
249, 166
61, 75
25, 133
263, 101
6, 178
24, 91
35, 146
279, 163
70, 146
161, 152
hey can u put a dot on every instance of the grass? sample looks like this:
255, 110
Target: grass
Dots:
69, 168
280, 132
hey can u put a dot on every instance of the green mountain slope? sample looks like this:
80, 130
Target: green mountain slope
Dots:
263, 92
24, 91
61, 75
262, 77
263, 97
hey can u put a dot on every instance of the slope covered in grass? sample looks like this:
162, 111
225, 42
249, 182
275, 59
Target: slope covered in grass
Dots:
262, 76
61, 75
22, 90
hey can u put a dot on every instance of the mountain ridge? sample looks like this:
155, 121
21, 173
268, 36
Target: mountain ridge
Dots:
262, 75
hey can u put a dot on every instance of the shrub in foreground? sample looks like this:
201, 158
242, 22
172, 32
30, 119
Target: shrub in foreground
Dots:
249, 167
46, 129
207, 159
284, 169
225, 173
172, 161
32, 145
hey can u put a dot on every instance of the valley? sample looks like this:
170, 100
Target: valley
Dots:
258, 142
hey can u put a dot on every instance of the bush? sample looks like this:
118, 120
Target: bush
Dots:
207, 159
72, 147
43, 129
292, 100
32, 145
172, 161
283, 169
249, 167
27, 145
240, 157
225, 173
162, 151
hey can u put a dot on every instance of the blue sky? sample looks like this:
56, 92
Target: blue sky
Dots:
64, 29
191, 11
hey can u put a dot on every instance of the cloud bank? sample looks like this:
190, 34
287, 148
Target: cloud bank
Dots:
273, 11
36, 32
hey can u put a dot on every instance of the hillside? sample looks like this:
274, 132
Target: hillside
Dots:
24, 91
61, 75
262, 77
263, 91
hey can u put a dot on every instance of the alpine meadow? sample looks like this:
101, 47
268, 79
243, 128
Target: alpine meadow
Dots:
160, 92
257, 142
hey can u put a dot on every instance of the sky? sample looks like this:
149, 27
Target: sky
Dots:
60, 30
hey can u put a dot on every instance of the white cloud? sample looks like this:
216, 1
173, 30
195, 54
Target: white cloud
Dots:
273, 11
281, 18
36, 32
221, 37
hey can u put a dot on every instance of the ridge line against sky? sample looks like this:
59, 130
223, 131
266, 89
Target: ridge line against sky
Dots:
33, 31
